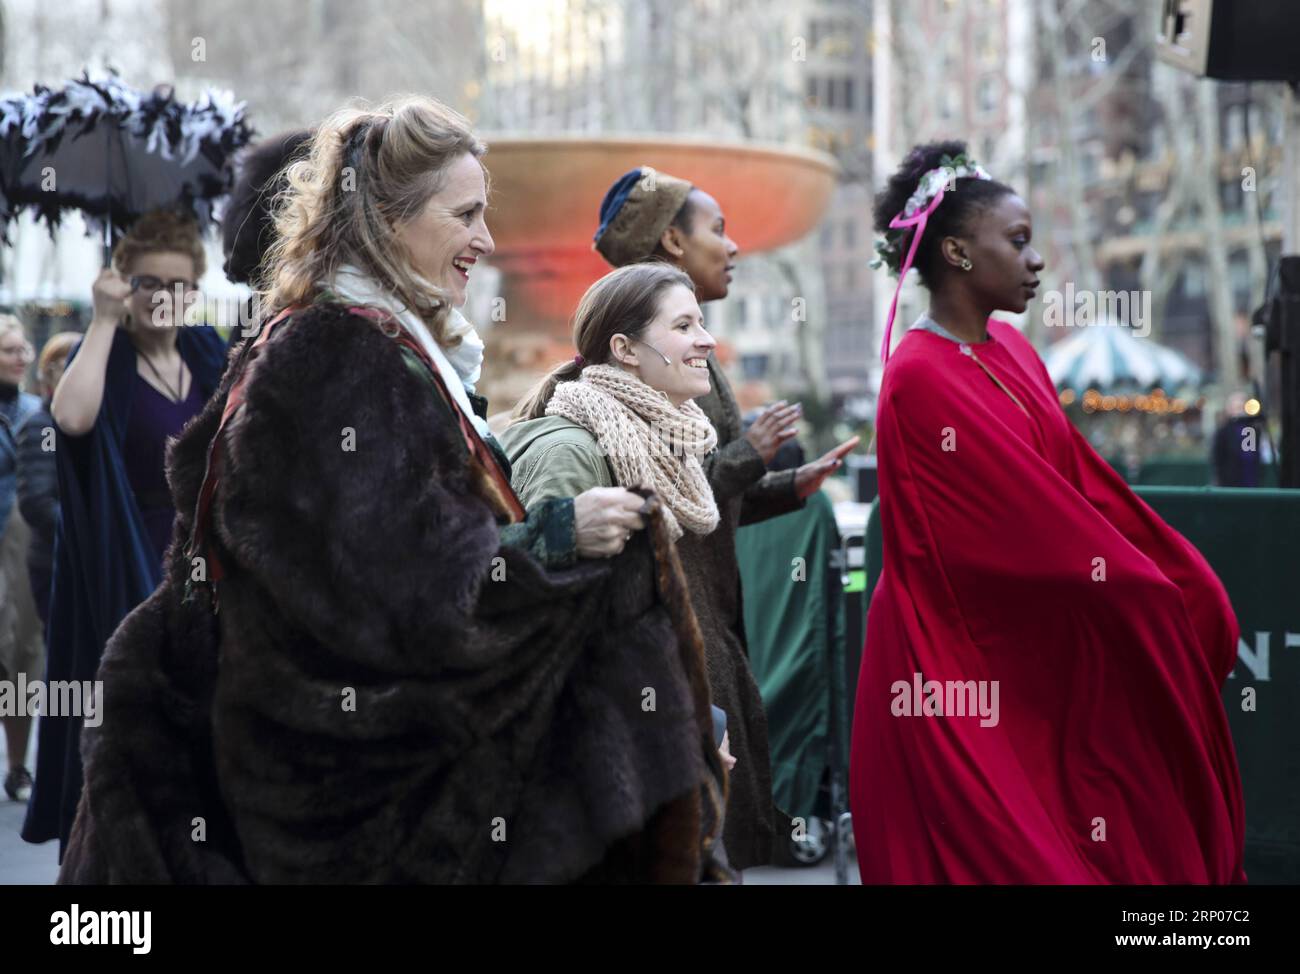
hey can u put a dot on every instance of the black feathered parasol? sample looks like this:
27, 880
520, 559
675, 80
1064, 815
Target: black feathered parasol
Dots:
114, 153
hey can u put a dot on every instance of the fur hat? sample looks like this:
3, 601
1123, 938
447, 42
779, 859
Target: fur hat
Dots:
635, 213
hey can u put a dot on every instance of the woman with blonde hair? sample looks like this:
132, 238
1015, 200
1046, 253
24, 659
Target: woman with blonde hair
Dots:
137, 377
409, 689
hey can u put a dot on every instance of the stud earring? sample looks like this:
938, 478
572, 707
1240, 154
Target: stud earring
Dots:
966, 264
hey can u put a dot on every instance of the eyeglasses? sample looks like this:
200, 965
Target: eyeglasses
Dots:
147, 282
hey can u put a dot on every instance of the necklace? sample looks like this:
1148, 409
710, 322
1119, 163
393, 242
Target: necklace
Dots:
174, 395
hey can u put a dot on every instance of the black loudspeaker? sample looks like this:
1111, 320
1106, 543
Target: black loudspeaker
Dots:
1235, 40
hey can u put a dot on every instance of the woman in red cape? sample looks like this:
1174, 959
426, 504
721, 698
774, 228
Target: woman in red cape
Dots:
1038, 700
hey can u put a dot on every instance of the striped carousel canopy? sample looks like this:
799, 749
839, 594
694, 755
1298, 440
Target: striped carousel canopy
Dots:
1109, 357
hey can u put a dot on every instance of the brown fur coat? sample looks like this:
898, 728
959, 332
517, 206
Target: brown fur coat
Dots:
745, 492
387, 694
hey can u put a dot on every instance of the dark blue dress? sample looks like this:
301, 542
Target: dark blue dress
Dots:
154, 419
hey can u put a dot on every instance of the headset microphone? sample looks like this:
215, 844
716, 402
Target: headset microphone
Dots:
667, 360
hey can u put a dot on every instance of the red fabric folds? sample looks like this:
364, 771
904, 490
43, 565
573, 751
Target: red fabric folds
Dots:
1014, 554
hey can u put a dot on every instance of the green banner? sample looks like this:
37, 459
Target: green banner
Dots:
1252, 540
794, 625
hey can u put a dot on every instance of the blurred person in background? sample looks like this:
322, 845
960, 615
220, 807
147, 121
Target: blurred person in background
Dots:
21, 641
1237, 452
38, 474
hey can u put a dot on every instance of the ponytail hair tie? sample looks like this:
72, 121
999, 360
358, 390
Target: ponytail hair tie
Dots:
579, 361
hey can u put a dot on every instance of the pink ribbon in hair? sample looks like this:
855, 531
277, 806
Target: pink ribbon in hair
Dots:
900, 222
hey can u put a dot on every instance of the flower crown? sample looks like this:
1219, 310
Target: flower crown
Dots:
889, 248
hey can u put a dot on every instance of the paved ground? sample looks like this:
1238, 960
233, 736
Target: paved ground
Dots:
21, 862
822, 874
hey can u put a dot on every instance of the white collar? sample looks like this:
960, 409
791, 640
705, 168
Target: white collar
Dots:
460, 368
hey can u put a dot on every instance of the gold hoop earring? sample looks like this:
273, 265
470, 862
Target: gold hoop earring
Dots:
966, 264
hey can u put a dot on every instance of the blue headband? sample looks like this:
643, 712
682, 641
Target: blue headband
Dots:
616, 197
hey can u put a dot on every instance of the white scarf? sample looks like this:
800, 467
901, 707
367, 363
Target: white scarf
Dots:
460, 367
648, 441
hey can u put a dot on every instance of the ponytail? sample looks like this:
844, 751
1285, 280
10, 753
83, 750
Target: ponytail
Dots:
533, 404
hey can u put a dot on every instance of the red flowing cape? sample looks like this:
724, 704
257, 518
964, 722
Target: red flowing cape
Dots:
1014, 553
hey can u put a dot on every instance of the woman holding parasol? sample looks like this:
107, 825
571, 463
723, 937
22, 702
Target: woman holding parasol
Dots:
134, 381
151, 164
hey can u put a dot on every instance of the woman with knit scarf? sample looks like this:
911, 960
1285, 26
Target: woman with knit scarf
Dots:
621, 412
648, 216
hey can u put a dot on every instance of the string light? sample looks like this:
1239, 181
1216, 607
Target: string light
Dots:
1156, 402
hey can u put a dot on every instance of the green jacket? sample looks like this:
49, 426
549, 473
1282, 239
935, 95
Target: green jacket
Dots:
553, 457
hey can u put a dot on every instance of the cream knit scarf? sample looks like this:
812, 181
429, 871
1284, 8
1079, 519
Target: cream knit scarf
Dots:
648, 441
